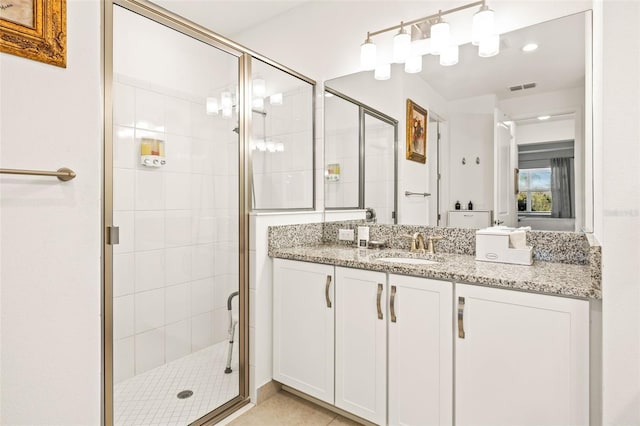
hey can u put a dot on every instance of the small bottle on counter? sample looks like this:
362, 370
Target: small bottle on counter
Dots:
470, 206
457, 205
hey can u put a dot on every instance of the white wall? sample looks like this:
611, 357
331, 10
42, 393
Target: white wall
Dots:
50, 232
471, 136
545, 131
621, 212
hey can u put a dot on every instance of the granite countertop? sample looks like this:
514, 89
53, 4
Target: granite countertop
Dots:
542, 277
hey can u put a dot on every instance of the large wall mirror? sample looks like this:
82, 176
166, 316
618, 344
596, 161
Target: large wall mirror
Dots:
360, 158
512, 134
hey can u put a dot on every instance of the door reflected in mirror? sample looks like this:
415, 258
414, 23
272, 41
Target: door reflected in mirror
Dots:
513, 131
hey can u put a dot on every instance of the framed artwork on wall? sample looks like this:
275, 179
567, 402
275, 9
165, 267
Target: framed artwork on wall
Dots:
417, 119
35, 29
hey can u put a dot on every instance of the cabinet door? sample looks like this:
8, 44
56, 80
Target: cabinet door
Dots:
420, 351
521, 358
303, 327
361, 343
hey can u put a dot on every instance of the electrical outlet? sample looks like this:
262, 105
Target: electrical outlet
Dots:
346, 234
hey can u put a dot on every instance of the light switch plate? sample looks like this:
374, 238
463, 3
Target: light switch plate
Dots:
346, 234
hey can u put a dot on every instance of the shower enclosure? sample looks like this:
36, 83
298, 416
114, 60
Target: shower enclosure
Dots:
179, 102
177, 201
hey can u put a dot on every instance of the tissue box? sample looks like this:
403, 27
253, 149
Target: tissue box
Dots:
492, 245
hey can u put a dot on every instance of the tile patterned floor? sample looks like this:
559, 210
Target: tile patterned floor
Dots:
150, 398
285, 409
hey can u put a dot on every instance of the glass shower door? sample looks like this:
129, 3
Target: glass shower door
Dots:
379, 167
176, 201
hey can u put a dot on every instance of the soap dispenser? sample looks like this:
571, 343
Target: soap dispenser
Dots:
470, 206
457, 205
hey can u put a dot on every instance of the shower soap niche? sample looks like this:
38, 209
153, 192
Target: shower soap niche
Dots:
152, 152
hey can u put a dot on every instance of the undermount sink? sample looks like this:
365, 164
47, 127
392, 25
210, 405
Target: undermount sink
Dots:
409, 260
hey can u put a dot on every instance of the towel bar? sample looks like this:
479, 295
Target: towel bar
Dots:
64, 173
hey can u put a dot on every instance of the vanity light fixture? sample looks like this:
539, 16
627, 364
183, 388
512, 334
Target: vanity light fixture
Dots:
431, 35
489, 46
368, 54
226, 103
529, 47
212, 106
413, 64
259, 88
450, 55
483, 24
275, 99
421, 39
401, 45
258, 104
382, 72
440, 35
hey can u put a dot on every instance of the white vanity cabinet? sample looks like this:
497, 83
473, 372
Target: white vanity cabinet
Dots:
521, 358
303, 327
420, 351
361, 343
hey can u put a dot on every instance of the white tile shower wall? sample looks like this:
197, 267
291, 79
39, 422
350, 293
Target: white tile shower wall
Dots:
176, 263
284, 180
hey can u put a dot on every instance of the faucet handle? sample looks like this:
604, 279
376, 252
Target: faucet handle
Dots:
431, 249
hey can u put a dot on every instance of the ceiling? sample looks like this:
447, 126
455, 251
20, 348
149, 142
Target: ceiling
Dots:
558, 63
229, 17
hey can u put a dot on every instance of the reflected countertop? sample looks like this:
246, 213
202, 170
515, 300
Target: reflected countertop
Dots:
542, 277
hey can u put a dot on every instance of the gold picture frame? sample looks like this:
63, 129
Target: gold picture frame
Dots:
35, 29
417, 119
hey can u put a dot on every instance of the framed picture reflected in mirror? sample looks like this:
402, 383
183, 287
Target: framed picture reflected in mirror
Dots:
417, 119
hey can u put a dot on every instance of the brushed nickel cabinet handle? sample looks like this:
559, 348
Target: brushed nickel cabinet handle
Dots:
392, 303
379, 301
326, 291
461, 317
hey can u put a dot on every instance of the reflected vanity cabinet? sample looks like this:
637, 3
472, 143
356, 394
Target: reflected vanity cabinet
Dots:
476, 219
520, 358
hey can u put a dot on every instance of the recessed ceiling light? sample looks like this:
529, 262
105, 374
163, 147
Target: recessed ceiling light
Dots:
544, 117
530, 47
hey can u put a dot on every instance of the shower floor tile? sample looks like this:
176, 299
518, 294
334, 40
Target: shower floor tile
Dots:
151, 398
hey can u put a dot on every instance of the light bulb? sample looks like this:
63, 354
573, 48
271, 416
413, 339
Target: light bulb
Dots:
482, 26
212, 106
440, 34
413, 64
489, 46
401, 46
449, 56
258, 103
259, 88
421, 46
382, 72
226, 104
368, 55
275, 99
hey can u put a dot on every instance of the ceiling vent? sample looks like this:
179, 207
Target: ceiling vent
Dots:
522, 87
